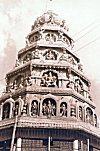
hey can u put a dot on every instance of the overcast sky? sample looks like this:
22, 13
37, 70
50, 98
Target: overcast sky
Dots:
82, 18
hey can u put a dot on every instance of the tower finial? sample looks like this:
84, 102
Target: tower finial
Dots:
48, 4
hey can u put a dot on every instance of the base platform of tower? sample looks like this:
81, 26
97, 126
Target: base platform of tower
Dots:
47, 104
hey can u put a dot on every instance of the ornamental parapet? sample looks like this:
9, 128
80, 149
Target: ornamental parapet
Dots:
68, 124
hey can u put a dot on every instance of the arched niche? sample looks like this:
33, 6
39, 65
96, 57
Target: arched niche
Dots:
80, 112
89, 115
49, 79
34, 108
63, 109
49, 107
6, 111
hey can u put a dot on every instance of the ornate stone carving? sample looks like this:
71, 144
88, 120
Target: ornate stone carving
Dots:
64, 56
49, 108
51, 19
80, 67
49, 79
17, 63
71, 59
50, 37
50, 55
35, 54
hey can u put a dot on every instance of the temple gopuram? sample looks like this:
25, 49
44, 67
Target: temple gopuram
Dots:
47, 104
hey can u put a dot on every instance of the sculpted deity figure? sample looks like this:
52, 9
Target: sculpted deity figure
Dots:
44, 109
63, 110
34, 109
50, 55
64, 56
49, 80
51, 109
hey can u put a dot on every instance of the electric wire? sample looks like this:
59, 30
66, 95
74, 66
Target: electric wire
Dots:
87, 33
86, 27
87, 44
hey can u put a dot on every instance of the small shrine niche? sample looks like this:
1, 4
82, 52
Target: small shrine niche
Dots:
6, 111
34, 108
50, 55
18, 82
63, 109
49, 79
51, 37
49, 107
89, 115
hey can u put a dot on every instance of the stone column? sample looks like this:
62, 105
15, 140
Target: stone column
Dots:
75, 145
68, 110
18, 148
11, 106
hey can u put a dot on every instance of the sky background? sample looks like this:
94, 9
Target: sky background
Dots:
82, 18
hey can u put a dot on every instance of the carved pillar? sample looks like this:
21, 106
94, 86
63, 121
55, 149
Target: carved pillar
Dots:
1, 111
58, 109
68, 109
18, 148
11, 111
41, 107
75, 145
60, 83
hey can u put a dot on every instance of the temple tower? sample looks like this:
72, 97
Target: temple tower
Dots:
47, 104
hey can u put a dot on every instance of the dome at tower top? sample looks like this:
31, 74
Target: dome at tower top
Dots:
50, 18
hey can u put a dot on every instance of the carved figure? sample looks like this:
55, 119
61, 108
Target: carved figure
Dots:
80, 67
70, 59
49, 80
49, 109
70, 84
50, 55
63, 110
64, 56
34, 109
44, 109
35, 54
15, 85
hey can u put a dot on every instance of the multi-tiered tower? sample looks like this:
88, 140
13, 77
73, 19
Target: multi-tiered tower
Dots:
47, 103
